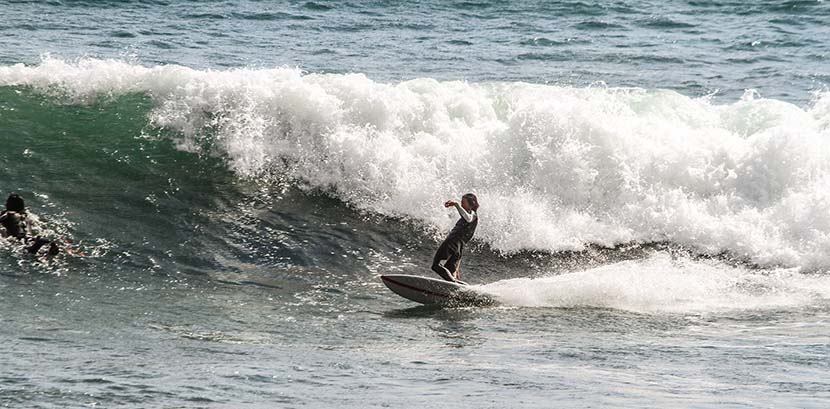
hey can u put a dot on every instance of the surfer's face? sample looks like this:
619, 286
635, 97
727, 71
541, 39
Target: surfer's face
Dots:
465, 204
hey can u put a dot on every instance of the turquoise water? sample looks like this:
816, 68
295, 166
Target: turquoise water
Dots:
232, 177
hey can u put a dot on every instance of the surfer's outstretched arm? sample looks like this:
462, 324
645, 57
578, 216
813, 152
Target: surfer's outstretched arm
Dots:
467, 216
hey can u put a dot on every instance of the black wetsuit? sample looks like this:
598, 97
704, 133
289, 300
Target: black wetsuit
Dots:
453, 247
15, 225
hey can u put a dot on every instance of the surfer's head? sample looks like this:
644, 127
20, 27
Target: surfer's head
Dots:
469, 202
15, 203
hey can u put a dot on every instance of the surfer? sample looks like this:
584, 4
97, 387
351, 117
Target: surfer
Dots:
17, 224
452, 248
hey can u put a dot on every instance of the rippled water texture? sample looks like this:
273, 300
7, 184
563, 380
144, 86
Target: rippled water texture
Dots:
697, 47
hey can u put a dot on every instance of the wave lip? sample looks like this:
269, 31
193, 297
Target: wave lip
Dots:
556, 168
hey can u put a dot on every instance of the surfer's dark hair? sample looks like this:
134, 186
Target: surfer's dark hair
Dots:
15, 203
472, 200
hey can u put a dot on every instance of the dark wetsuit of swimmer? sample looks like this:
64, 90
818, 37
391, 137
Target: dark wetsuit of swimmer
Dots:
15, 225
453, 246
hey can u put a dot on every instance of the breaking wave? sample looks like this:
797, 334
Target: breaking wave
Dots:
555, 168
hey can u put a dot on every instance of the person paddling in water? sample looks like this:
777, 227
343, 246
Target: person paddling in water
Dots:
18, 225
452, 248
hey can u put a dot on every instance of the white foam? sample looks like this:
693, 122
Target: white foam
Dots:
555, 168
663, 284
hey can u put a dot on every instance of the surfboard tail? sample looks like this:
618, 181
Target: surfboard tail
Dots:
430, 291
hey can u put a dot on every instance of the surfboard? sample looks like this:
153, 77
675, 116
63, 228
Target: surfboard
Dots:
431, 291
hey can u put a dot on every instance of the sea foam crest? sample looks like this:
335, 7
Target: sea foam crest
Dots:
661, 283
555, 168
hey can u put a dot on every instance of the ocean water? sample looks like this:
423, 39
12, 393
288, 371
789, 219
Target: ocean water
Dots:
231, 178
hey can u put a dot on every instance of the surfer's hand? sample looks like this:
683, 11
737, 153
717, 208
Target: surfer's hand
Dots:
449, 203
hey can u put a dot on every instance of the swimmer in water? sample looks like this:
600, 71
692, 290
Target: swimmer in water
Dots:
18, 225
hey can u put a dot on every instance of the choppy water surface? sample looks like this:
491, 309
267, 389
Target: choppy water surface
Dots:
697, 47
232, 177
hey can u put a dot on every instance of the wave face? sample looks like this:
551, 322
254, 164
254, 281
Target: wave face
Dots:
555, 168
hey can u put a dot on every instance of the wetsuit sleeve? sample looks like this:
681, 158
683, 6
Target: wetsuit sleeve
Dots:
463, 213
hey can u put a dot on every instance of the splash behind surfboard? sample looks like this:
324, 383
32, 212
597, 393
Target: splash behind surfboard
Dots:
431, 291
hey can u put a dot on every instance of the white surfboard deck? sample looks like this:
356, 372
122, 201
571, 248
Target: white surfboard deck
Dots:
432, 291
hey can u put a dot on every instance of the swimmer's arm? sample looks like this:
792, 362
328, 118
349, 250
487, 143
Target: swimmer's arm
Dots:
29, 220
3, 232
